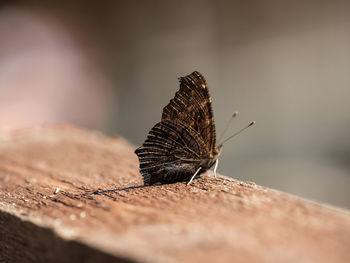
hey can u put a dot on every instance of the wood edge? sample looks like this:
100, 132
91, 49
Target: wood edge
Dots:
24, 241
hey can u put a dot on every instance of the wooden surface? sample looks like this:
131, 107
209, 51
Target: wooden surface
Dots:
49, 214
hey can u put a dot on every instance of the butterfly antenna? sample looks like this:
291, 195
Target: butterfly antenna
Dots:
227, 125
246, 127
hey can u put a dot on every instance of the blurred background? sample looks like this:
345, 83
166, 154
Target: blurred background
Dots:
114, 65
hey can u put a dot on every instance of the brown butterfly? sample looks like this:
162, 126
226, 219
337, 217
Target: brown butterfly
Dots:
183, 144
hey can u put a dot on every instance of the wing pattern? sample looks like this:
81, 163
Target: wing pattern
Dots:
172, 152
192, 107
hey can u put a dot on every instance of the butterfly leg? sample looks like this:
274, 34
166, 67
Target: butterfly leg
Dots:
194, 175
216, 167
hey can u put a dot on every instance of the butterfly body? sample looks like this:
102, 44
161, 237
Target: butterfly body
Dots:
184, 140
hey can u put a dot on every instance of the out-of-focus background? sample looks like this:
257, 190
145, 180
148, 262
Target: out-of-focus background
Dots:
113, 66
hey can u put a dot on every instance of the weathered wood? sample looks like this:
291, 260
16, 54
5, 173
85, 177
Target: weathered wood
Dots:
48, 214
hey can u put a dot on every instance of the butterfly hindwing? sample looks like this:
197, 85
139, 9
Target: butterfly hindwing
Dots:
192, 107
172, 152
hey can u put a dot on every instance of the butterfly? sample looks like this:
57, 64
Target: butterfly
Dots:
183, 144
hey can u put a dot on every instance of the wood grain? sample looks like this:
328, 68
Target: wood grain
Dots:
48, 212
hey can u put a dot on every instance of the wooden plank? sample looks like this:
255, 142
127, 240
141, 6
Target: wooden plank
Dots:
49, 214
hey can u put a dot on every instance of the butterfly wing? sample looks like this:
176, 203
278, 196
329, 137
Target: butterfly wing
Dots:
172, 152
192, 106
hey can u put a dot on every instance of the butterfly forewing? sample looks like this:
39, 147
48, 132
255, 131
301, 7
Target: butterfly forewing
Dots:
192, 106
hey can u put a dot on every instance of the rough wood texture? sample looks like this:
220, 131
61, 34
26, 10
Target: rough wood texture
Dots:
47, 213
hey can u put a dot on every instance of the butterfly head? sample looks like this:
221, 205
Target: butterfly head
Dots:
216, 154
217, 151
209, 162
